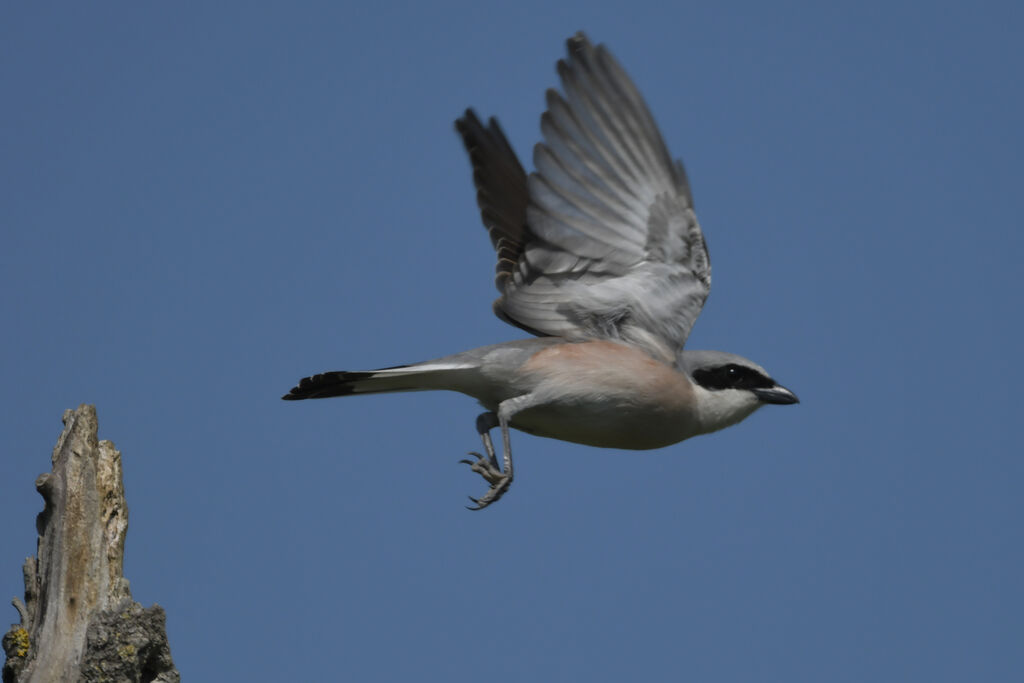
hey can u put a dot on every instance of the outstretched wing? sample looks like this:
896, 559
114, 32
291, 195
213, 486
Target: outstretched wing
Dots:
605, 243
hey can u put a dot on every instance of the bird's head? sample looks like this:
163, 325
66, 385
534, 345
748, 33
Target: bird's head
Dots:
730, 387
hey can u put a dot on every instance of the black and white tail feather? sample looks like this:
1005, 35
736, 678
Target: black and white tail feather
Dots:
422, 377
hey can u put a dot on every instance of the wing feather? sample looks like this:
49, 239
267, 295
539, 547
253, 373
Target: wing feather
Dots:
601, 241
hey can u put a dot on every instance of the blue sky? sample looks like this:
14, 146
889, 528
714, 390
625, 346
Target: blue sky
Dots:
201, 204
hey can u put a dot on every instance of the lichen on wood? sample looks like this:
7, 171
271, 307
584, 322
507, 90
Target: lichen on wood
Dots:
78, 621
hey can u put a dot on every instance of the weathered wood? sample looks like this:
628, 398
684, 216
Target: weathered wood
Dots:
78, 621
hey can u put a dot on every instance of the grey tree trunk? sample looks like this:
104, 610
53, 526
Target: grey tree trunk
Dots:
78, 620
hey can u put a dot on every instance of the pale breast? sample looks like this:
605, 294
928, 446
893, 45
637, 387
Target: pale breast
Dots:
606, 394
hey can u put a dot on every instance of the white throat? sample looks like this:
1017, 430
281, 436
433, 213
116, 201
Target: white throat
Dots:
723, 408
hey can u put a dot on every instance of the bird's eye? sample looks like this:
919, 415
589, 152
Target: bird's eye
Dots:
731, 376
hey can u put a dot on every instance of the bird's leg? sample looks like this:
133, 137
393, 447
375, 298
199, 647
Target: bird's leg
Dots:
487, 465
485, 422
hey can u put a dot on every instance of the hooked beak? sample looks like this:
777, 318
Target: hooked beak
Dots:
778, 395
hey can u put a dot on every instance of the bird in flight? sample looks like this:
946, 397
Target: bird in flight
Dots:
600, 256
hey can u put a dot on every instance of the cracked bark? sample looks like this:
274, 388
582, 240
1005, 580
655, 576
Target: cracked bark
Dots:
78, 621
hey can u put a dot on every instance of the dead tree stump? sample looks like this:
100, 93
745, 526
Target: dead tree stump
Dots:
78, 620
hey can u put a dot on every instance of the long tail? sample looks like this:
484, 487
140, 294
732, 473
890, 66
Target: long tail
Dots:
421, 377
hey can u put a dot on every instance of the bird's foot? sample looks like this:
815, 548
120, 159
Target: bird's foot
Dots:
487, 467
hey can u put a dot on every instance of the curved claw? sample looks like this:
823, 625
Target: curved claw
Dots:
499, 482
475, 455
493, 494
